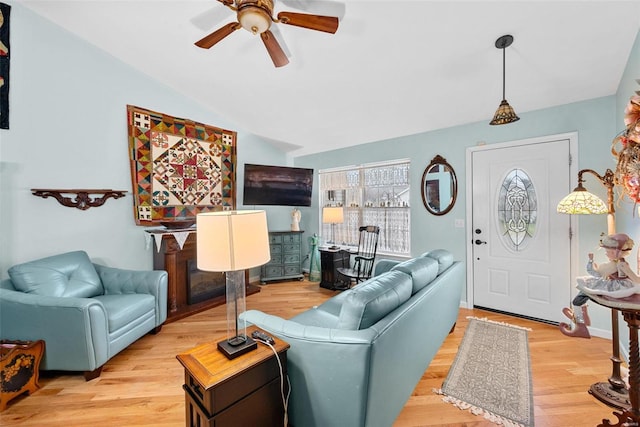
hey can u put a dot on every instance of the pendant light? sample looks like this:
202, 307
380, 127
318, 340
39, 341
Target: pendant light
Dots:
505, 113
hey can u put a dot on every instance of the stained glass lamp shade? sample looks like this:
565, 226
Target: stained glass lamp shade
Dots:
581, 202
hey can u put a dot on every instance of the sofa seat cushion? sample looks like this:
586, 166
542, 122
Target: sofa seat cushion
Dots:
66, 275
125, 309
443, 256
370, 301
422, 271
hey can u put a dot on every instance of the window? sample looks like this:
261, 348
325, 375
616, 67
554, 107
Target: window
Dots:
371, 194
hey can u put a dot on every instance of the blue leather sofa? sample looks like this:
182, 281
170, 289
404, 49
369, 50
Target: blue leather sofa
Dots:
355, 359
86, 313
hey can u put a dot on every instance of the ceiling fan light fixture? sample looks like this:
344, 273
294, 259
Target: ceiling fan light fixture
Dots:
505, 113
254, 19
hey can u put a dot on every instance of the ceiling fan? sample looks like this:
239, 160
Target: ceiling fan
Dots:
256, 16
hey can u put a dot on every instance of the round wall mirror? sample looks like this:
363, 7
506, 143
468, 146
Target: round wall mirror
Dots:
439, 186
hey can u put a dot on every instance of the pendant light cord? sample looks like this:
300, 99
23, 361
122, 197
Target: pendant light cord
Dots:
503, 71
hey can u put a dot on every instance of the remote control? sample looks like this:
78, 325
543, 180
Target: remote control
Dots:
259, 335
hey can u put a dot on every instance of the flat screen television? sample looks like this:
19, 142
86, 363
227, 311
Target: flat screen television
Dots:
277, 185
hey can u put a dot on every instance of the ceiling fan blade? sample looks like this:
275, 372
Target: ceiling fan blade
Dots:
328, 24
217, 35
276, 53
275, 30
318, 7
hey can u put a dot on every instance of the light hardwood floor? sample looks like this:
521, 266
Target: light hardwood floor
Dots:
143, 384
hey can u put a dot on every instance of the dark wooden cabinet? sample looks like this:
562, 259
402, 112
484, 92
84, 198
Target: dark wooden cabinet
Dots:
330, 260
244, 391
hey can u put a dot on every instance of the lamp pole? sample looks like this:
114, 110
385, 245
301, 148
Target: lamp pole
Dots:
613, 393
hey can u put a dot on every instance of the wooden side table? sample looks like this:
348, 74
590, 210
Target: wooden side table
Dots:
630, 308
245, 391
330, 260
19, 368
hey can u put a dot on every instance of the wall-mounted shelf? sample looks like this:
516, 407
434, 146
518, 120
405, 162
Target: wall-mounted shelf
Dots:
82, 200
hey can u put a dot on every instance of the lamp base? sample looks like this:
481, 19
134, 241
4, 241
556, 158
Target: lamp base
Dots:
616, 398
233, 350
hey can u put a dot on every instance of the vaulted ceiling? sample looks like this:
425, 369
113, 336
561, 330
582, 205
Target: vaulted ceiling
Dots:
393, 68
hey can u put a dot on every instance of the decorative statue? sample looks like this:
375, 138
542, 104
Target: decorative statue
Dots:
295, 219
614, 278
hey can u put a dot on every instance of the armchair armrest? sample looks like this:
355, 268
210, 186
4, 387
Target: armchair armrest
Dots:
121, 281
75, 330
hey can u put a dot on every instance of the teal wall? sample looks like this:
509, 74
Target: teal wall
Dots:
68, 130
593, 119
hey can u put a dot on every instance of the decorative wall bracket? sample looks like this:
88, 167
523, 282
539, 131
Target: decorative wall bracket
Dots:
82, 200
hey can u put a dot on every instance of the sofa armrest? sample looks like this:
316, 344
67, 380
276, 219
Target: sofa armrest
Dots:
289, 330
121, 281
75, 330
328, 370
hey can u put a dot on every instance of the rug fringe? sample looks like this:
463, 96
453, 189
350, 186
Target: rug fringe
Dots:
464, 406
484, 319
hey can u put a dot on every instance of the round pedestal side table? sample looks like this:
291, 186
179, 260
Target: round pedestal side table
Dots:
630, 309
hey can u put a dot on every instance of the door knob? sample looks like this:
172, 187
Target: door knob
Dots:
480, 242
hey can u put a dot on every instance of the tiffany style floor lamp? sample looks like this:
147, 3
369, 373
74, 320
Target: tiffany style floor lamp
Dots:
580, 201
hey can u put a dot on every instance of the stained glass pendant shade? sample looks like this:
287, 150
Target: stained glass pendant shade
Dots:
504, 114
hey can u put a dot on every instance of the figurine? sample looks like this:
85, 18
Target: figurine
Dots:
614, 278
295, 219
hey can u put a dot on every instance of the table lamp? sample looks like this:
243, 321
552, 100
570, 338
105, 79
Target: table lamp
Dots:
231, 242
332, 215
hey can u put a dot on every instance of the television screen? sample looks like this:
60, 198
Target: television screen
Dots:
277, 185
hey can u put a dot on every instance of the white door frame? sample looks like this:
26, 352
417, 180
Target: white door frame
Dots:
573, 170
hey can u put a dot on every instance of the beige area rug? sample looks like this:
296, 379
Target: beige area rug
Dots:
491, 374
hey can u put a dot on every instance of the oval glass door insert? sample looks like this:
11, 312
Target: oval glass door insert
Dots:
517, 210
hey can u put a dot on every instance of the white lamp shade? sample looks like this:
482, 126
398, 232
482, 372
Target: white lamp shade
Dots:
232, 240
332, 215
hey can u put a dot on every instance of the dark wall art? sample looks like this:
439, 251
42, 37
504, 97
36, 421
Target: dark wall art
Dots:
5, 11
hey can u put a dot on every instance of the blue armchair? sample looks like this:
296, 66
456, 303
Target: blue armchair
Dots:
86, 313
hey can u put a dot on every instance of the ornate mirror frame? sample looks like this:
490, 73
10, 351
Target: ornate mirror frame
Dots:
432, 186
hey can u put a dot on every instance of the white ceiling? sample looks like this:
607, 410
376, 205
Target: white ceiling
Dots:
393, 68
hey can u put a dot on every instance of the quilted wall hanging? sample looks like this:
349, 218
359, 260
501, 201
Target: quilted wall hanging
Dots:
179, 167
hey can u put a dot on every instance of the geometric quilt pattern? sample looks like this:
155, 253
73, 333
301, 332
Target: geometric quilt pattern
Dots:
179, 167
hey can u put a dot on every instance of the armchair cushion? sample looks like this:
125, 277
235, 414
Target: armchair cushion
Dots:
66, 275
124, 310
374, 299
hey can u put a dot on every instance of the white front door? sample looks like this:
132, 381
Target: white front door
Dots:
520, 246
